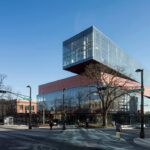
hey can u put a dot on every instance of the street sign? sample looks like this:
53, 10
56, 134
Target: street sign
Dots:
135, 90
29, 99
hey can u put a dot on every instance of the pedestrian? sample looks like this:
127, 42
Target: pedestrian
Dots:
118, 130
87, 123
51, 124
78, 123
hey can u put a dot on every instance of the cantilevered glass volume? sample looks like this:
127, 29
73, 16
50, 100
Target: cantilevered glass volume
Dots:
78, 48
91, 45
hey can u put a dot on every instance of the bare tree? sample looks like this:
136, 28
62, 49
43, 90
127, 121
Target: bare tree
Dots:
9, 96
69, 103
2, 100
80, 98
57, 104
109, 87
8, 100
3, 105
2, 78
89, 95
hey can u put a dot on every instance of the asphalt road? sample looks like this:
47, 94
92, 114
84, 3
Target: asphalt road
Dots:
70, 139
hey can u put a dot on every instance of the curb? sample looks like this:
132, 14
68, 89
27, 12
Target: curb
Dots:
14, 127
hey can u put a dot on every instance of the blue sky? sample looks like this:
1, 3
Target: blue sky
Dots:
32, 32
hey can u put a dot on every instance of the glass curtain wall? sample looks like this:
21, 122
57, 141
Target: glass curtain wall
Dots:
80, 95
78, 48
92, 44
72, 96
108, 53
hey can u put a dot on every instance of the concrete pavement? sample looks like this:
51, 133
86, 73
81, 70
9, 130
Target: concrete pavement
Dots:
22, 127
143, 142
19, 127
80, 137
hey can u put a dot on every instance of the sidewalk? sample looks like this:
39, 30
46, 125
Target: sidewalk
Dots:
58, 127
21, 127
143, 142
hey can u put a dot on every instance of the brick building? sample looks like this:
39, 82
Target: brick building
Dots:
22, 106
17, 108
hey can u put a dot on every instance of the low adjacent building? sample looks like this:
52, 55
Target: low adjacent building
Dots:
24, 105
18, 109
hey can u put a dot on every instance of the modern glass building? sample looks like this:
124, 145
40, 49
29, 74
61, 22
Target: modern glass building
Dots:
88, 46
93, 45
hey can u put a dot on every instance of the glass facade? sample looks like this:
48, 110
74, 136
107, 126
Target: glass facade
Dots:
78, 49
72, 96
92, 44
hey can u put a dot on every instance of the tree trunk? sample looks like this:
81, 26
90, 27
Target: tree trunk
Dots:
104, 118
79, 104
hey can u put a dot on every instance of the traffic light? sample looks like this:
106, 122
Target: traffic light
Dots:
139, 111
2, 91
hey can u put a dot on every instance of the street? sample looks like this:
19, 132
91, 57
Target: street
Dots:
45, 139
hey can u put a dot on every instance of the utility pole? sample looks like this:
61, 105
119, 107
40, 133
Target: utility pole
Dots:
64, 127
30, 124
26, 117
43, 111
142, 135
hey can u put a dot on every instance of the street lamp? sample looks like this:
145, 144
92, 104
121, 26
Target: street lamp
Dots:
26, 116
43, 111
30, 126
64, 127
142, 104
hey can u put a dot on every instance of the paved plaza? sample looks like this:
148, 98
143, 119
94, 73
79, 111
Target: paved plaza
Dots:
57, 139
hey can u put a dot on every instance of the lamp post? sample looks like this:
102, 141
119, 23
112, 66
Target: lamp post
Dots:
43, 111
142, 104
30, 126
26, 116
64, 127
43, 114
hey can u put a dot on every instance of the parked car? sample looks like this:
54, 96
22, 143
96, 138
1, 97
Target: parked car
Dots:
138, 126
